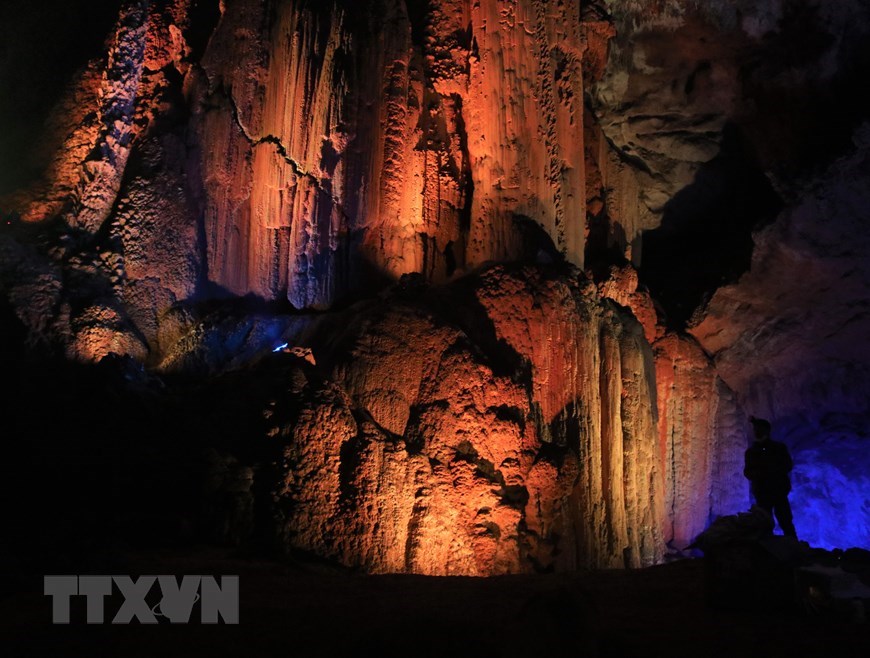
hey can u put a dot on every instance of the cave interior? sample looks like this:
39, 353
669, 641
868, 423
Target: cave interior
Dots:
431, 287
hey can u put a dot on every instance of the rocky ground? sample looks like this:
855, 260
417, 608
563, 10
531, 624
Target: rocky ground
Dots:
305, 608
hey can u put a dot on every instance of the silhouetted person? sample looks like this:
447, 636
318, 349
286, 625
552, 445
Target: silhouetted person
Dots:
767, 466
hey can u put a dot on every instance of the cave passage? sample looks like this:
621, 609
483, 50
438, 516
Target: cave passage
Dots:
705, 239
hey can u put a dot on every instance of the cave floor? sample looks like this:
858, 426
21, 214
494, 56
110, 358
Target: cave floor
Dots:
304, 608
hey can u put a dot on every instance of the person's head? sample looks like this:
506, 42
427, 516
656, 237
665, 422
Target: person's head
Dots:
761, 428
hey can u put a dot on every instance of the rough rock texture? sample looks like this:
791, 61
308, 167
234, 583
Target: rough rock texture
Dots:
125, 246
310, 150
621, 286
525, 126
319, 149
316, 152
697, 96
219, 342
681, 74
336, 148
701, 427
617, 464
773, 341
436, 450
702, 437
282, 100
93, 129
799, 354
667, 91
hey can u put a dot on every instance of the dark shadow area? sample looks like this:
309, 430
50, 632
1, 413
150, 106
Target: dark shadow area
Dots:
418, 15
204, 17
42, 45
115, 470
805, 115
537, 245
458, 304
604, 246
307, 608
108, 458
705, 239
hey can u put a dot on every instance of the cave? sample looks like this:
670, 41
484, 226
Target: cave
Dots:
437, 318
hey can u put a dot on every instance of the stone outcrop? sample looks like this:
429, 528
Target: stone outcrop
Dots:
322, 149
681, 74
311, 150
436, 449
126, 243
701, 427
790, 339
773, 341
702, 437
107, 106
659, 111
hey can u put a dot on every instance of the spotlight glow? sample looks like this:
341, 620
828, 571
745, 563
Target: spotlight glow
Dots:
831, 503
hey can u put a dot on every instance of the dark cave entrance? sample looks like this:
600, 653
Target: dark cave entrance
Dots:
34, 71
705, 239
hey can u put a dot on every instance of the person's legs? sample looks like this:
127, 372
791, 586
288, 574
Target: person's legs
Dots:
782, 509
766, 503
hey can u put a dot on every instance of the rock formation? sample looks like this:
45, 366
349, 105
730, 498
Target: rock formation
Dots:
409, 191
438, 449
702, 438
700, 422
333, 143
800, 354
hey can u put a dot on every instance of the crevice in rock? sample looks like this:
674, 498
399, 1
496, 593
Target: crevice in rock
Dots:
204, 18
634, 161
350, 455
275, 141
465, 175
705, 239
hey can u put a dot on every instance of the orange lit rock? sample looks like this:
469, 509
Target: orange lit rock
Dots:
702, 429
702, 438
306, 139
329, 147
525, 126
435, 499
70, 135
131, 246
328, 163
420, 456
514, 419
99, 331
593, 386
93, 129
622, 287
